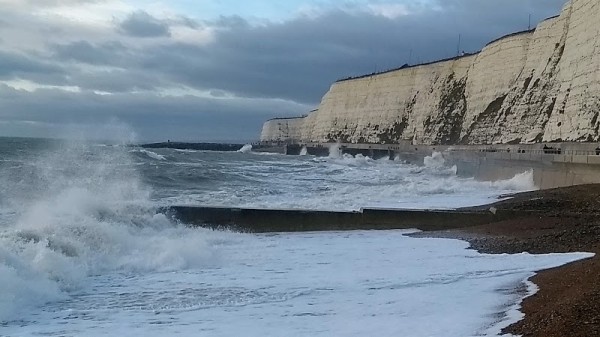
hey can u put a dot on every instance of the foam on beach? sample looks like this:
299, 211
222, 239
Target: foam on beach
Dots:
394, 283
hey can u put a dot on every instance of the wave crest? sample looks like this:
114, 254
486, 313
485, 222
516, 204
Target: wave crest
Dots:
86, 212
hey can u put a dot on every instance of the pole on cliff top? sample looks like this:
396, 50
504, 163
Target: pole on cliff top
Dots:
458, 47
529, 26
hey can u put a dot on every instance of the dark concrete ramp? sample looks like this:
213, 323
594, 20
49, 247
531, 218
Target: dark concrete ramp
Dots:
272, 220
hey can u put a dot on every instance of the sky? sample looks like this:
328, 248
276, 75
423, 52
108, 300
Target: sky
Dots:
215, 70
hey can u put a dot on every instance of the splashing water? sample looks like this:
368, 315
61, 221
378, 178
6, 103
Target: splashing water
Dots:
246, 149
304, 151
436, 160
335, 152
79, 211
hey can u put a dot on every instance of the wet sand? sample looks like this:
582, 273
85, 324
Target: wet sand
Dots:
568, 302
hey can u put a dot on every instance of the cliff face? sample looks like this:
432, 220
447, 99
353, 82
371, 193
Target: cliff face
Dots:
283, 129
540, 85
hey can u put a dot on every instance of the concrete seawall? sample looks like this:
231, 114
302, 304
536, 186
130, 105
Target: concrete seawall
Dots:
549, 170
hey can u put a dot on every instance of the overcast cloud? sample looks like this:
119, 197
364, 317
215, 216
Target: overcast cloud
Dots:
171, 72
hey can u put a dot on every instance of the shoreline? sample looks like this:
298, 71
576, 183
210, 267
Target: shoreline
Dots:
567, 302
525, 325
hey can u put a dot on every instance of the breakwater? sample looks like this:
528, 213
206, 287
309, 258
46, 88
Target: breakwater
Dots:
194, 146
541, 85
221, 147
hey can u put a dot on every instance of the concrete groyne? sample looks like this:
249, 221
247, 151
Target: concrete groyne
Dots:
273, 220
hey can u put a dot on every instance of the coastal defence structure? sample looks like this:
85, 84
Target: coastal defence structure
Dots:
541, 85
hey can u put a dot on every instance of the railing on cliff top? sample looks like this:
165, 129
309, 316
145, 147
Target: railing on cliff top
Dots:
407, 66
287, 118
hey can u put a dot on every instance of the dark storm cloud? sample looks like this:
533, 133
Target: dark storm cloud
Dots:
152, 118
142, 24
115, 81
14, 65
299, 59
85, 52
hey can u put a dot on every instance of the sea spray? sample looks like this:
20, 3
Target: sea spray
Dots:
304, 151
246, 148
335, 151
81, 210
436, 160
520, 182
286, 281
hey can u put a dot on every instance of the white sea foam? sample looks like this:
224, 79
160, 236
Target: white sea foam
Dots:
283, 285
437, 161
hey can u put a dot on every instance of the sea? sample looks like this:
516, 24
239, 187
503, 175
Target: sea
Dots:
85, 250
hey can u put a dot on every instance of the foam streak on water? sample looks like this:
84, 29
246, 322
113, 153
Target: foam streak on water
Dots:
83, 250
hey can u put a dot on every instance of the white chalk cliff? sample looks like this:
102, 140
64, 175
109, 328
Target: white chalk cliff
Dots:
534, 86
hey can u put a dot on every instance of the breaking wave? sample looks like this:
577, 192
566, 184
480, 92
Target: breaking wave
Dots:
436, 160
150, 154
75, 211
80, 211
